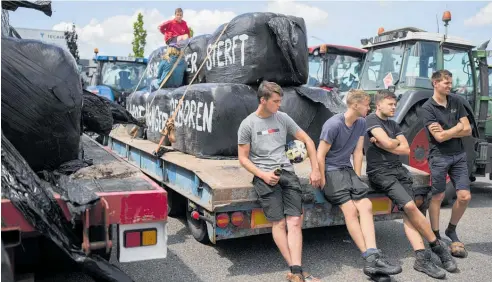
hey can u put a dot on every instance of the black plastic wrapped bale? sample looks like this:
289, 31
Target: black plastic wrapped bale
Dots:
153, 66
195, 52
159, 109
33, 198
96, 115
208, 119
41, 102
309, 108
259, 46
136, 105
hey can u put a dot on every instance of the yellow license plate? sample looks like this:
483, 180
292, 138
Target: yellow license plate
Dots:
149, 237
258, 219
381, 206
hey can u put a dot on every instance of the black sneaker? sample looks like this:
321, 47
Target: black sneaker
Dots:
444, 255
423, 263
380, 278
376, 264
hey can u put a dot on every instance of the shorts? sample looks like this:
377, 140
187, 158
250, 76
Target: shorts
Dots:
457, 168
281, 200
344, 185
397, 183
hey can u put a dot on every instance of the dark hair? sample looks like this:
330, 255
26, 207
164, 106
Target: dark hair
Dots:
178, 10
266, 89
384, 94
440, 75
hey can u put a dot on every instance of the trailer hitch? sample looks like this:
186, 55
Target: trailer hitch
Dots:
107, 243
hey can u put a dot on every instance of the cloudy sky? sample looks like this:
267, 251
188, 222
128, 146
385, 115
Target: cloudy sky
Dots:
108, 25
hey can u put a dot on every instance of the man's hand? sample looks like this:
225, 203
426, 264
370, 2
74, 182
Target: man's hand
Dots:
315, 178
435, 127
375, 141
270, 178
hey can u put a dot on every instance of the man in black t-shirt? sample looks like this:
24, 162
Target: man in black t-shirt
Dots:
446, 122
385, 142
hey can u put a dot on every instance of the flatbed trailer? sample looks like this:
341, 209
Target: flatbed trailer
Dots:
218, 198
129, 201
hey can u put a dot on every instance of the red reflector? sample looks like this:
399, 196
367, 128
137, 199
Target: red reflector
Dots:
132, 239
222, 220
237, 218
195, 215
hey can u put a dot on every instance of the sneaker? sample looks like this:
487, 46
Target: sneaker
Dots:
444, 255
380, 278
423, 263
376, 264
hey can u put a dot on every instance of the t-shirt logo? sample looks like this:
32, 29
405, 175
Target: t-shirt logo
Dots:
453, 111
269, 131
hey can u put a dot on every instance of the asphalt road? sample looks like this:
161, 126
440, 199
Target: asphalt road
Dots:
328, 252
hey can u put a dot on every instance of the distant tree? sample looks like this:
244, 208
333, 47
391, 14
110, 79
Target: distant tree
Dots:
139, 37
71, 37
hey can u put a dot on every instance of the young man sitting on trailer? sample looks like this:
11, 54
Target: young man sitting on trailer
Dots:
261, 145
341, 137
385, 142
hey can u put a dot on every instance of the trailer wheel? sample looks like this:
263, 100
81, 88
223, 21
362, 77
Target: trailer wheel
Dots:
176, 203
198, 228
414, 131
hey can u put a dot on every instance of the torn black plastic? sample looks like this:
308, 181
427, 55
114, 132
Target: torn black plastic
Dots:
32, 197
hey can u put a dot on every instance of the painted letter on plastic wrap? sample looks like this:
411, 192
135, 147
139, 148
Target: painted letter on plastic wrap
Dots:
195, 115
224, 55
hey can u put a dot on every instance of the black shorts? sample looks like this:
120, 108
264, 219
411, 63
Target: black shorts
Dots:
397, 184
344, 185
457, 168
280, 200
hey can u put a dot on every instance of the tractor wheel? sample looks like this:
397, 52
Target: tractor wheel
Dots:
414, 131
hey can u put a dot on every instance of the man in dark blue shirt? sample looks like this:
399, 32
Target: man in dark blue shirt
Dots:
446, 122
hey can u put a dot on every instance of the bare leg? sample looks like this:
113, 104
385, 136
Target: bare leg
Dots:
417, 221
459, 207
352, 221
364, 206
413, 235
294, 239
279, 233
435, 209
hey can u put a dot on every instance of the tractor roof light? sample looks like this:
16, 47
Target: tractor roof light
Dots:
446, 17
96, 51
323, 48
364, 41
380, 30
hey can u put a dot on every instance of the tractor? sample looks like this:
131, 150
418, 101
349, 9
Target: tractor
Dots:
115, 77
403, 61
335, 66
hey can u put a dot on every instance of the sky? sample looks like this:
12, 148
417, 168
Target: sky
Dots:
108, 25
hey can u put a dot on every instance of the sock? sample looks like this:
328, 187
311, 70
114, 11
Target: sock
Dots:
437, 234
435, 243
369, 252
296, 269
451, 232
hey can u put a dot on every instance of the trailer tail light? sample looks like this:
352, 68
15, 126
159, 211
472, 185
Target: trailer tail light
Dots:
237, 219
222, 220
140, 237
381, 205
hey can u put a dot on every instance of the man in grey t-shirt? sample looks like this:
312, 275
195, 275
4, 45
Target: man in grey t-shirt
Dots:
261, 150
342, 136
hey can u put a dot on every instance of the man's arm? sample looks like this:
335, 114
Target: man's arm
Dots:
442, 135
163, 26
311, 149
383, 140
403, 148
467, 130
243, 156
358, 156
323, 149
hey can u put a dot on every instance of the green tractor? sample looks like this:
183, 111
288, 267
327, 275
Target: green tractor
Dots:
403, 60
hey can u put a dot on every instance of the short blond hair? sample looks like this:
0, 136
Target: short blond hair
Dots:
171, 51
357, 96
